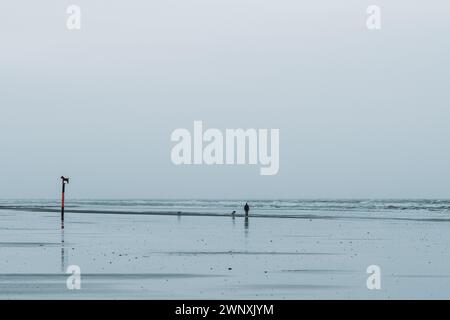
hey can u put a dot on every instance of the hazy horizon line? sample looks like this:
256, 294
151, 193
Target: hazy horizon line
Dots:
236, 199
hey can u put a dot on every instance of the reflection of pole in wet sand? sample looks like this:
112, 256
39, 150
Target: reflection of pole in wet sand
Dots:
64, 257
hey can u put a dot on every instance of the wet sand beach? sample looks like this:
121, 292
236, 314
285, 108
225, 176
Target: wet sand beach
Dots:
183, 253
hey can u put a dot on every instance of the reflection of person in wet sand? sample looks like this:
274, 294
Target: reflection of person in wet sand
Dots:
246, 226
246, 209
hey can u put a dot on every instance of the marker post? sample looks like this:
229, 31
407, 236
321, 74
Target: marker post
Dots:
64, 181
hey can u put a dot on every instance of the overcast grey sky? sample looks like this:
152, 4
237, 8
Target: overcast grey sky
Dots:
361, 113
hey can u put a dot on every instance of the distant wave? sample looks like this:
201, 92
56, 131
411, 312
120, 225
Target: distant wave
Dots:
297, 205
410, 210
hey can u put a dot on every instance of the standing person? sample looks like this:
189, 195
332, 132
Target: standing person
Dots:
246, 209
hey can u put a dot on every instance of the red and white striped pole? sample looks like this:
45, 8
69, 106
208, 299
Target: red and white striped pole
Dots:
64, 181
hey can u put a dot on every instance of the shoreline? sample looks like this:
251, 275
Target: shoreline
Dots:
211, 214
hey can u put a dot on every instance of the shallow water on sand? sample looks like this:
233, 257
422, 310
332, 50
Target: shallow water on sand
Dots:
195, 249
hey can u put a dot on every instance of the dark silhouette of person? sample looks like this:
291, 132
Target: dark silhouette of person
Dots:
246, 209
